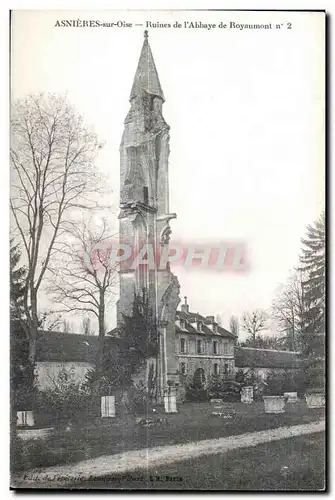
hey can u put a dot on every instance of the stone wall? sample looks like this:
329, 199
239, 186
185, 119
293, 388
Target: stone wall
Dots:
48, 371
262, 373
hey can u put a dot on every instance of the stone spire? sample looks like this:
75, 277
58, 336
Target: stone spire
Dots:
146, 77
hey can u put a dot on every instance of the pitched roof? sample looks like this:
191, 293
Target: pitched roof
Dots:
195, 317
265, 358
67, 347
146, 76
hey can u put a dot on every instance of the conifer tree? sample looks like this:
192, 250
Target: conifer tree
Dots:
314, 285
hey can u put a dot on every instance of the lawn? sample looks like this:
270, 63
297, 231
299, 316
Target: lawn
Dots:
293, 464
194, 422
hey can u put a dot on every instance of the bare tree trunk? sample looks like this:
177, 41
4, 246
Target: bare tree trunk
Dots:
101, 331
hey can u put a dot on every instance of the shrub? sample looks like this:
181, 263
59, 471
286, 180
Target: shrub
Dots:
219, 388
275, 384
196, 393
138, 400
66, 402
230, 390
315, 375
250, 378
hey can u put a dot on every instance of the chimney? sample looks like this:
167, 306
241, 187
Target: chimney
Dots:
210, 319
185, 306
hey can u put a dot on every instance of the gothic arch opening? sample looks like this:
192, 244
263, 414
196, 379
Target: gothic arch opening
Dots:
142, 271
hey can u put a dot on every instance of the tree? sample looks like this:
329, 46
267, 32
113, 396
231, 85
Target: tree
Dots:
17, 279
137, 342
139, 335
21, 369
86, 327
218, 319
288, 309
253, 323
314, 266
139, 331
265, 342
52, 156
21, 372
83, 279
234, 325
67, 327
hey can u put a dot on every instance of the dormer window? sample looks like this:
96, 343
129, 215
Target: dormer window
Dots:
215, 328
182, 324
199, 326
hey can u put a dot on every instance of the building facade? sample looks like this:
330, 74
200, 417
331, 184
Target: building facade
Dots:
203, 348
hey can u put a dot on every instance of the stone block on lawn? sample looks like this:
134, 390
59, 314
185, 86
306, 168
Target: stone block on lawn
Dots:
291, 397
25, 418
107, 406
151, 422
170, 404
225, 414
247, 394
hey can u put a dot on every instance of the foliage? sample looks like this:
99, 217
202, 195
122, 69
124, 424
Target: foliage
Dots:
250, 378
314, 266
262, 342
67, 401
138, 400
289, 310
253, 323
97, 384
21, 369
315, 375
240, 377
219, 388
196, 393
275, 384
115, 373
234, 325
17, 276
139, 334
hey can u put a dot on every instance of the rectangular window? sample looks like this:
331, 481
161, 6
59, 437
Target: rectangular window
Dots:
183, 368
225, 348
182, 345
225, 369
215, 347
199, 347
216, 369
146, 195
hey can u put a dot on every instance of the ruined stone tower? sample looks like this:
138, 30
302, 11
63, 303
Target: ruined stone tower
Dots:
144, 209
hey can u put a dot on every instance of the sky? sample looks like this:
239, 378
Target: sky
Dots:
246, 111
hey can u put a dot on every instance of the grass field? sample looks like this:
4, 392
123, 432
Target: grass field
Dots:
294, 464
194, 422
